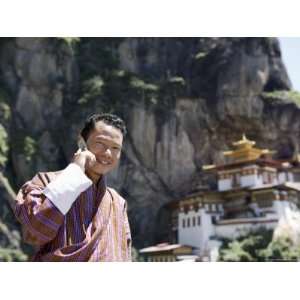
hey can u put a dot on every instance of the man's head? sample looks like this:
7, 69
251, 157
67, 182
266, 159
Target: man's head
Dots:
103, 134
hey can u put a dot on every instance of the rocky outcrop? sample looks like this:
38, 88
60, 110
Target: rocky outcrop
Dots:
184, 101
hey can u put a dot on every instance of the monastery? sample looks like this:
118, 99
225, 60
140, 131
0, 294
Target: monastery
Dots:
253, 191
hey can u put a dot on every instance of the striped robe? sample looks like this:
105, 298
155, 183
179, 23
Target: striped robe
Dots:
95, 228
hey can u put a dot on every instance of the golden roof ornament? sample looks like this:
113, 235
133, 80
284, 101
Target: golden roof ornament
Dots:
243, 142
245, 150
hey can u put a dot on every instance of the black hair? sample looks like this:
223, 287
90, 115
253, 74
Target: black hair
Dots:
108, 119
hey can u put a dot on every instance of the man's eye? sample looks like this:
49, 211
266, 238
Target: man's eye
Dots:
99, 144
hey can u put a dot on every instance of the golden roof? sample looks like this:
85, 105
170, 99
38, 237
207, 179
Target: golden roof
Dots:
245, 150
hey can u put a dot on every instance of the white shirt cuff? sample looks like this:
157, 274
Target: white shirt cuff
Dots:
65, 189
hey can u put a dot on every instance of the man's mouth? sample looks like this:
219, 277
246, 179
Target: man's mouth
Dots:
103, 162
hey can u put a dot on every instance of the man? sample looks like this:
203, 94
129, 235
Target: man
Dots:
71, 215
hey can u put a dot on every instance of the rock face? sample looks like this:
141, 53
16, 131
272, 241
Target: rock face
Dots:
184, 101
10, 239
38, 74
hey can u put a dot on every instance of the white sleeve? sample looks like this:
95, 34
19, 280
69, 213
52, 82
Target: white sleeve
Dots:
65, 189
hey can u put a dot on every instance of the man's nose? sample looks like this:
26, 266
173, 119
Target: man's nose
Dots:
107, 152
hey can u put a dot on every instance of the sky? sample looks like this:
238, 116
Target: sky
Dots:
290, 50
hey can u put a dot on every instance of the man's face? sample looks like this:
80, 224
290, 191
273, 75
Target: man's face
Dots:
105, 142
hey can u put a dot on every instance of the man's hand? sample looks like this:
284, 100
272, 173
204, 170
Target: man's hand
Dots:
85, 159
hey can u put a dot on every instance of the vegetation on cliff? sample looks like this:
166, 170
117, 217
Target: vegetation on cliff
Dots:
283, 97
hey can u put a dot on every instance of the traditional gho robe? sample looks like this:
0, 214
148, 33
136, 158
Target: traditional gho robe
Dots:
68, 218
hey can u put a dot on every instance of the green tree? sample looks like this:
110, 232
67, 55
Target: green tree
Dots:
259, 246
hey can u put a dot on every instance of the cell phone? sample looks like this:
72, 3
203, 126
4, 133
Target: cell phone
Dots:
81, 143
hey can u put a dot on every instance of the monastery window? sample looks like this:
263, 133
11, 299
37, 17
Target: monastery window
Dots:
188, 222
186, 209
199, 220
196, 206
236, 179
265, 178
213, 207
194, 221
214, 220
269, 178
183, 223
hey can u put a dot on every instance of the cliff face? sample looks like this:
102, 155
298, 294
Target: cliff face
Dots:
184, 101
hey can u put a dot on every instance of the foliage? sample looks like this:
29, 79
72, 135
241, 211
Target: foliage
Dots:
177, 79
200, 55
92, 88
281, 249
235, 252
286, 96
135, 256
5, 111
30, 148
3, 146
259, 246
70, 41
140, 84
8, 255
10, 244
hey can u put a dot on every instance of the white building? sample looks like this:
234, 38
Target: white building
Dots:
253, 191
